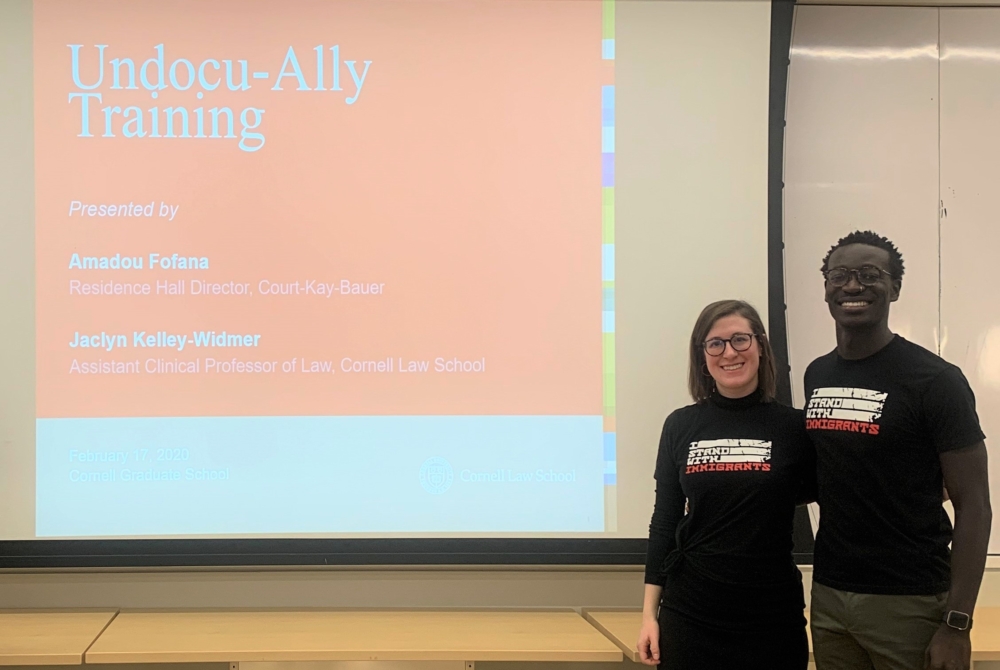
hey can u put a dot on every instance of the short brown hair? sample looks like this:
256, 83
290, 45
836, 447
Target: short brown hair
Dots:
700, 384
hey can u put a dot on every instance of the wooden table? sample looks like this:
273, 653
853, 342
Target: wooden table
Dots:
986, 634
240, 637
49, 638
620, 626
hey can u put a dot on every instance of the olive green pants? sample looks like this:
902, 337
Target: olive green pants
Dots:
859, 631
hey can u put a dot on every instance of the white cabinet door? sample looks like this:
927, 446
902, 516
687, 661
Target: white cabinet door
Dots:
861, 153
970, 222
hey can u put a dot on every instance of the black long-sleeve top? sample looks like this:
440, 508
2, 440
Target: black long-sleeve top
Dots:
729, 474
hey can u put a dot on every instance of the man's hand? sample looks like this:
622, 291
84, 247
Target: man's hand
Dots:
950, 649
966, 480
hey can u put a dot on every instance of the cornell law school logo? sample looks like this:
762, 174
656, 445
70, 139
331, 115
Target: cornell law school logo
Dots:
436, 475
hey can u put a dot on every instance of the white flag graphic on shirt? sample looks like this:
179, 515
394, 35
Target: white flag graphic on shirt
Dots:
729, 450
845, 403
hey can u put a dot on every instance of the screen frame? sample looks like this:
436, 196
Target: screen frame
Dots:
324, 553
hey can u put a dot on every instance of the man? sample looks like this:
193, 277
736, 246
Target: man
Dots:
892, 424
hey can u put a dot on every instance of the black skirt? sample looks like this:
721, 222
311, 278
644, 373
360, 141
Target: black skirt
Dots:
711, 624
690, 645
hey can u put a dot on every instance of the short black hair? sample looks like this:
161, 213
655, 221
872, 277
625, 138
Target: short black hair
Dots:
873, 240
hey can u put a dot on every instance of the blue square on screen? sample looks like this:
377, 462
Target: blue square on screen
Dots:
608, 262
607, 97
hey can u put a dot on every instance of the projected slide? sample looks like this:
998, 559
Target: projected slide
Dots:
324, 267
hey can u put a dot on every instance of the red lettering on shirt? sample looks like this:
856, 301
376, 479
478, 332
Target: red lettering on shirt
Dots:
843, 426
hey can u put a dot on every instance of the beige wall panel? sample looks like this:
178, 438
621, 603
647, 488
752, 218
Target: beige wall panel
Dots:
324, 588
17, 274
691, 198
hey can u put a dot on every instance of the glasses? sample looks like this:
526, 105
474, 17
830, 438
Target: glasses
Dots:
717, 345
867, 275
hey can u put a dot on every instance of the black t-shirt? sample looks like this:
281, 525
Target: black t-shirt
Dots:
740, 466
878, 426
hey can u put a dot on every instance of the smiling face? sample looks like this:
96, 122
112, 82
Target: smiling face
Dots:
855, 306
734, 372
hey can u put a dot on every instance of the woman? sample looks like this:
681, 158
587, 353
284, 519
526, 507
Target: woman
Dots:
722, 589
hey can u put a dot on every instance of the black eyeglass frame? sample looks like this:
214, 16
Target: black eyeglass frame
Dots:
856, 272
729, 341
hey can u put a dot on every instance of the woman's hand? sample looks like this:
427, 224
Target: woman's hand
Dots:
648, 645
649, 641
